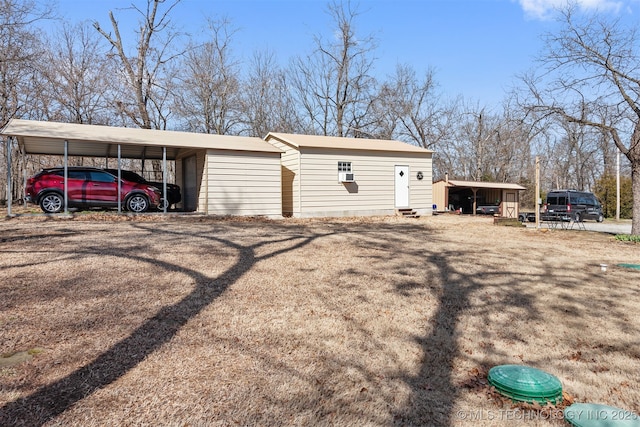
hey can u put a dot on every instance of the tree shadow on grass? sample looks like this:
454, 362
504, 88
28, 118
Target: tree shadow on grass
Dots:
54, 399
433, 389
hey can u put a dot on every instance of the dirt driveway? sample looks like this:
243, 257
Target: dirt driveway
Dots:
380, 321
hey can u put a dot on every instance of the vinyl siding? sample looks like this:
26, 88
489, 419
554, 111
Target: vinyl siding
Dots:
243, 183
290, 178
373, 191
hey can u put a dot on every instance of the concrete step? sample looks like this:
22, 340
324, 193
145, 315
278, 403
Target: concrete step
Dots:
408, 213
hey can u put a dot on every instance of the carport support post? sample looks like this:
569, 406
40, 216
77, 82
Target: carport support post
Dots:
66, 177
164, 180
119, 183
9, 190
475, 201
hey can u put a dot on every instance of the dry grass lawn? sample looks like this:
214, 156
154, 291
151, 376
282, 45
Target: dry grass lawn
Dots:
382, 321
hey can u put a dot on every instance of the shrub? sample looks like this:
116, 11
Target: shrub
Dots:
628, 238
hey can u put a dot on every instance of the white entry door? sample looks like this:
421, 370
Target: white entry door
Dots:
402, 186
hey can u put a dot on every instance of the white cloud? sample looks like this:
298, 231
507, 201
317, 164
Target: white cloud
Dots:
541, 9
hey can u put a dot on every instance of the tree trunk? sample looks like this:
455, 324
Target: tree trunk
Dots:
635, 190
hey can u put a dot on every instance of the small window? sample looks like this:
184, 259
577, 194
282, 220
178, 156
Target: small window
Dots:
344, 166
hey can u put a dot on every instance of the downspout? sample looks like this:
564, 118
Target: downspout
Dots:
299, 182
24, 173
206, 181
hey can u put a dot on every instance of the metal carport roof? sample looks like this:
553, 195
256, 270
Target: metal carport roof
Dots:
36, 137
483, 184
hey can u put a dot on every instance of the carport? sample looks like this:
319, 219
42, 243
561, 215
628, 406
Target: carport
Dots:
64, 139
466, 196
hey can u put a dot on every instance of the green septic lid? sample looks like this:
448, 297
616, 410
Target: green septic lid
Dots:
595, 415
636, 266
526, 384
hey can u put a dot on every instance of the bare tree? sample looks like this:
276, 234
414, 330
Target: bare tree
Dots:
76, 77
592, 80
19, 47
477, 138
416, 106
267, 102
145, 74
334, 83
208, 99
143, 95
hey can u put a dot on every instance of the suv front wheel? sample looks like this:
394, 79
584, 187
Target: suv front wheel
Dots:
137, 203
51, 203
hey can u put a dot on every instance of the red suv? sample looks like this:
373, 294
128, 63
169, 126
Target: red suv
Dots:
88, 187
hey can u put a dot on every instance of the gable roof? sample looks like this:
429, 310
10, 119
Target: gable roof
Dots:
333, 142
38, 137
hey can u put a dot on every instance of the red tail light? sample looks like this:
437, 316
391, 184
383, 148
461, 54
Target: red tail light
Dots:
568, 208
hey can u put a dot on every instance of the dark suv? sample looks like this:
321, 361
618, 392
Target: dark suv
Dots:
567, 205
87, 188
173, 191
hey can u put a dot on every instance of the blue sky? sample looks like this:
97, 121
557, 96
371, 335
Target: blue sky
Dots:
476, 47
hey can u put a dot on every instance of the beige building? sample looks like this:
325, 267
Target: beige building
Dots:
331, 176
241, 181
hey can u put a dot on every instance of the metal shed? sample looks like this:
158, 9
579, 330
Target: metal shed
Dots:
332, 176
466, 196
235, 153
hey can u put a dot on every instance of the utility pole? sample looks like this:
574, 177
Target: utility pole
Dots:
618, 186
537, 199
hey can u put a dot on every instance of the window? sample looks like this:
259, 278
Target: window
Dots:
99, 176
344, 166
73, 174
